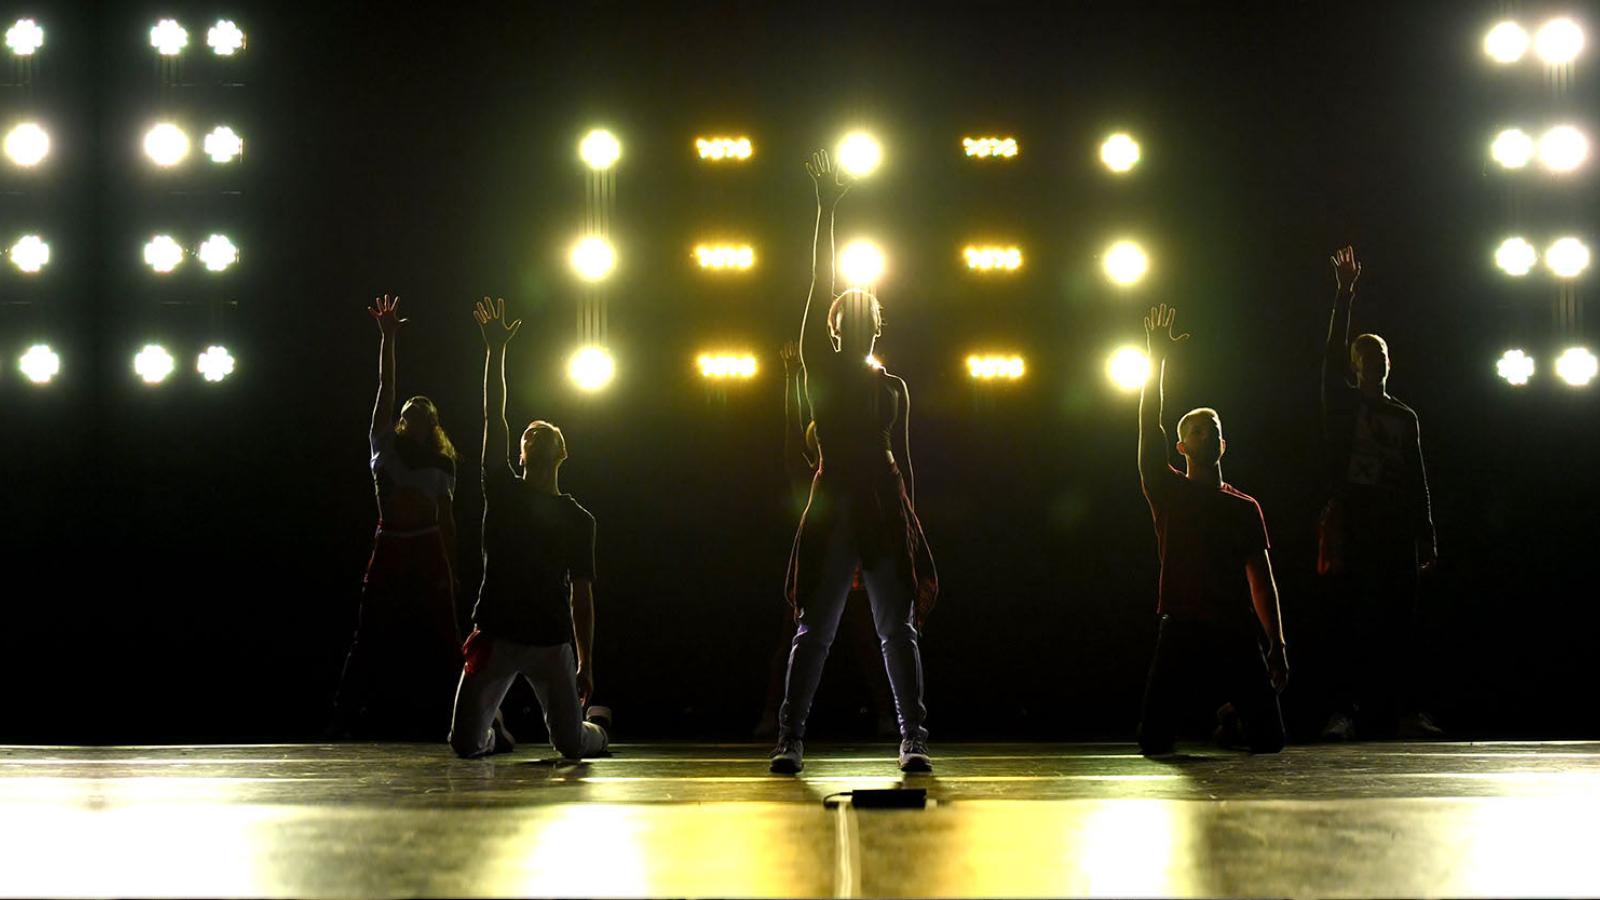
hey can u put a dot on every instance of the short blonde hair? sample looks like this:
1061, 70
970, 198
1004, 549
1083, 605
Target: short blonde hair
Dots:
1193, 414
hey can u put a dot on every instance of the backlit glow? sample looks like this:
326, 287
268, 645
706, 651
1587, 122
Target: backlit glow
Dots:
600, 149
166, 145
27, 144
153, 364
861, 264
988, 259
1126, 263
725, 256
1516, 257
1515, 367
30, 254
1506, 42
1567, 258
719, 149
163, 254
1577, 367
40, 364
1128, 368
725, 366
215, 364
990, 147
990, 367
1120, 153
591, 368
25, 37
859, 154
593, 258
168, 37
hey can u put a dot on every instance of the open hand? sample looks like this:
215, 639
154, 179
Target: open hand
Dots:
1159, 339
832, 182
490, 316
383, 311
790, 354
1345, 268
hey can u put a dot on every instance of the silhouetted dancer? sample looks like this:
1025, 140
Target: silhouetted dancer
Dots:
1218, 603
860, 512
535, 611
800, 457
1377, 530
407, 646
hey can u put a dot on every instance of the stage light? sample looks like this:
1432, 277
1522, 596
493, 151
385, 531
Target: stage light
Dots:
723, 366
861, 263
718, 149
168, 37
40, 364
166, 145
1125, 262
990, 148
1577, 366
1128, 368
218, 253
163, 254
153, 364
1516, 257
1515, 367
600, 149
859, 154
25, 38
725, 256
1559, 41
991, 367
1563, 148
1567, 258
225, 38
223, 145
593, 258
30, 254
1120, 153
988, 259
1512, 148
591, 368
27, 144
215, 364
1506, 42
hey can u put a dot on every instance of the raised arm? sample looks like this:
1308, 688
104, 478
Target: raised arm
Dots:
1159, 342
1264, 595
832, 184
1336, 352
383, 311
798, 465
490, 316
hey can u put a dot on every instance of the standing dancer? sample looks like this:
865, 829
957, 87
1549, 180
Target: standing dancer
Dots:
535, 612
407, 646
1377, 532
800, 460
1217, 598
860, 512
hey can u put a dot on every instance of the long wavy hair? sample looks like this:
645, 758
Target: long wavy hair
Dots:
435, 441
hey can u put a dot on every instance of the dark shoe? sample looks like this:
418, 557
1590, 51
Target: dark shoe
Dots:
1420, 726
914, 755
788, 758
1340, 727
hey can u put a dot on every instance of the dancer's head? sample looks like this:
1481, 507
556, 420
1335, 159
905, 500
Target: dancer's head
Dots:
855, 320
1200, 437
1369, 357
543, 446
419, 424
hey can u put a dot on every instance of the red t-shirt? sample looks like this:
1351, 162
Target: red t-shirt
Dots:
1204, 535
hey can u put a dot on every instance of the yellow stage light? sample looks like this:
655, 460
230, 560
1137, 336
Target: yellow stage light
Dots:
859, 154
1512, 148
861, 263
40, 364
1516, 257
25, 37
225, 38
720, 149
27, 144
166, 145
30, 254
988, 367
725, 256
991, 258
163, 254
1559, 41
215, 364
1126, 263
153, 364
1515, 367
591, 368
600, 149
1567, 258
724, 366
1128, 368
1563, 149
1506, 42
1577, 367
168, 37
990, 147
1120, 153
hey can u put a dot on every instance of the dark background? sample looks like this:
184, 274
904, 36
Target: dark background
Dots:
183, 563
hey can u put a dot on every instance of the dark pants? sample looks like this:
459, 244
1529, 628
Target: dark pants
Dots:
1375, 636
1197, 665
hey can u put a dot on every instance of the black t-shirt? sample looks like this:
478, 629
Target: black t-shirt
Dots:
534, 544
1205, 536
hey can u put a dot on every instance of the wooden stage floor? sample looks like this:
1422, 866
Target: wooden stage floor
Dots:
360, 820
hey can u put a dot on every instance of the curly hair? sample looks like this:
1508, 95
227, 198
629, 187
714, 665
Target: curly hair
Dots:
436, 441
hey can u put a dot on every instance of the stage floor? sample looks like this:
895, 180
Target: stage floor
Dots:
359, 820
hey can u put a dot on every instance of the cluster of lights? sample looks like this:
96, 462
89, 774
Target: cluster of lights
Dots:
725, 256
1561, 149
861, 264
991, 368
990, 148
167, 145
27, 144
40, 364
718, 149
600, 149
1120, 153
1125, 262
1577, 367
29, 254
1558, 42
1566, 258
154, 364
726, 366
859, 154
591, 368
169, 38
216, 253
593, 258
1128, 368
24, 38
988, 259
